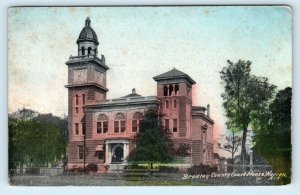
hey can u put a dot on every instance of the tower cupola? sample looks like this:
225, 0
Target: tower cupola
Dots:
87, 40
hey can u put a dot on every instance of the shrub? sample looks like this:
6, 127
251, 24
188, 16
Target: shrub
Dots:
92, 167
79, 170
167, 169
134, 166
32, 171
202, 169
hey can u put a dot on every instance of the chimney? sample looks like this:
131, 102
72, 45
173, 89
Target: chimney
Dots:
208, 110
133, 90
103, 58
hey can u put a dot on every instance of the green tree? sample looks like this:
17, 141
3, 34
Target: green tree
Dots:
36, 139
244, 95
273, 138
152, 141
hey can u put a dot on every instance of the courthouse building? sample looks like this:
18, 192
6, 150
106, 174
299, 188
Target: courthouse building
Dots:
101, 130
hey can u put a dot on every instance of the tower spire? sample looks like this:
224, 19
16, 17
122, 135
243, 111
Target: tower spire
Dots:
87, 21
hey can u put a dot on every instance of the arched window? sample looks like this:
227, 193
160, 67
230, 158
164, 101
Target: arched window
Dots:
82, 51
119, 123
170, 90
176, 89
83, 99
89, 50
165, 91
102, 123
137, 120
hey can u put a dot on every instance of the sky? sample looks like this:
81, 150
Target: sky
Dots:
142, 42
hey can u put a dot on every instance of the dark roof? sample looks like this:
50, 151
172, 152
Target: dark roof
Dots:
132, 94
174, 73
87, 33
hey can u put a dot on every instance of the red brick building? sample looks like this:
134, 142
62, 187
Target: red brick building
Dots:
101, 130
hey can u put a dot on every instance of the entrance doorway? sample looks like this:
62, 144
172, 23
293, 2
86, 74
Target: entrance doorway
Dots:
118, 154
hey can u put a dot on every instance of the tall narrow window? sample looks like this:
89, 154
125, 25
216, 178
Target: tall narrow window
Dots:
175, 104
76, 129
167, 125
99, 127
105, 126
176, 89
123, 128
76, 110
83, 128
76, 99
82, 51
137, 120
102, 124
80, 152
89, 50
170, 90
174, 125
134, 126
167, 104
116, 126
119, 123
165, 91
83, 99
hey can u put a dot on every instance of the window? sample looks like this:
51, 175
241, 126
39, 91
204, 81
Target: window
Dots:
174, 125
176, 89
99, 127
102, 124
134, 125
116, 126
119, 123
105, 126
89, 50
165, 91
76, 100
80, 152
167, 104
175, 104
170, 90
137, 120
83, 99
82, 51
100, 155
76, 110
123, 126
83, 128
76, 129
167, 125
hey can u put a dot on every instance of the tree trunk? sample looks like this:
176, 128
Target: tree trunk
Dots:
243, 152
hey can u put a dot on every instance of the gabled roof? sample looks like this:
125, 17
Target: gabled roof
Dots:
173, 74
132, 94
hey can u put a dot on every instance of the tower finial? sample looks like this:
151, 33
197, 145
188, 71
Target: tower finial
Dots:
87, 21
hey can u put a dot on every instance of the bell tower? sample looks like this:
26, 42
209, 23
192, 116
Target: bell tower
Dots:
174, 91
86, 80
